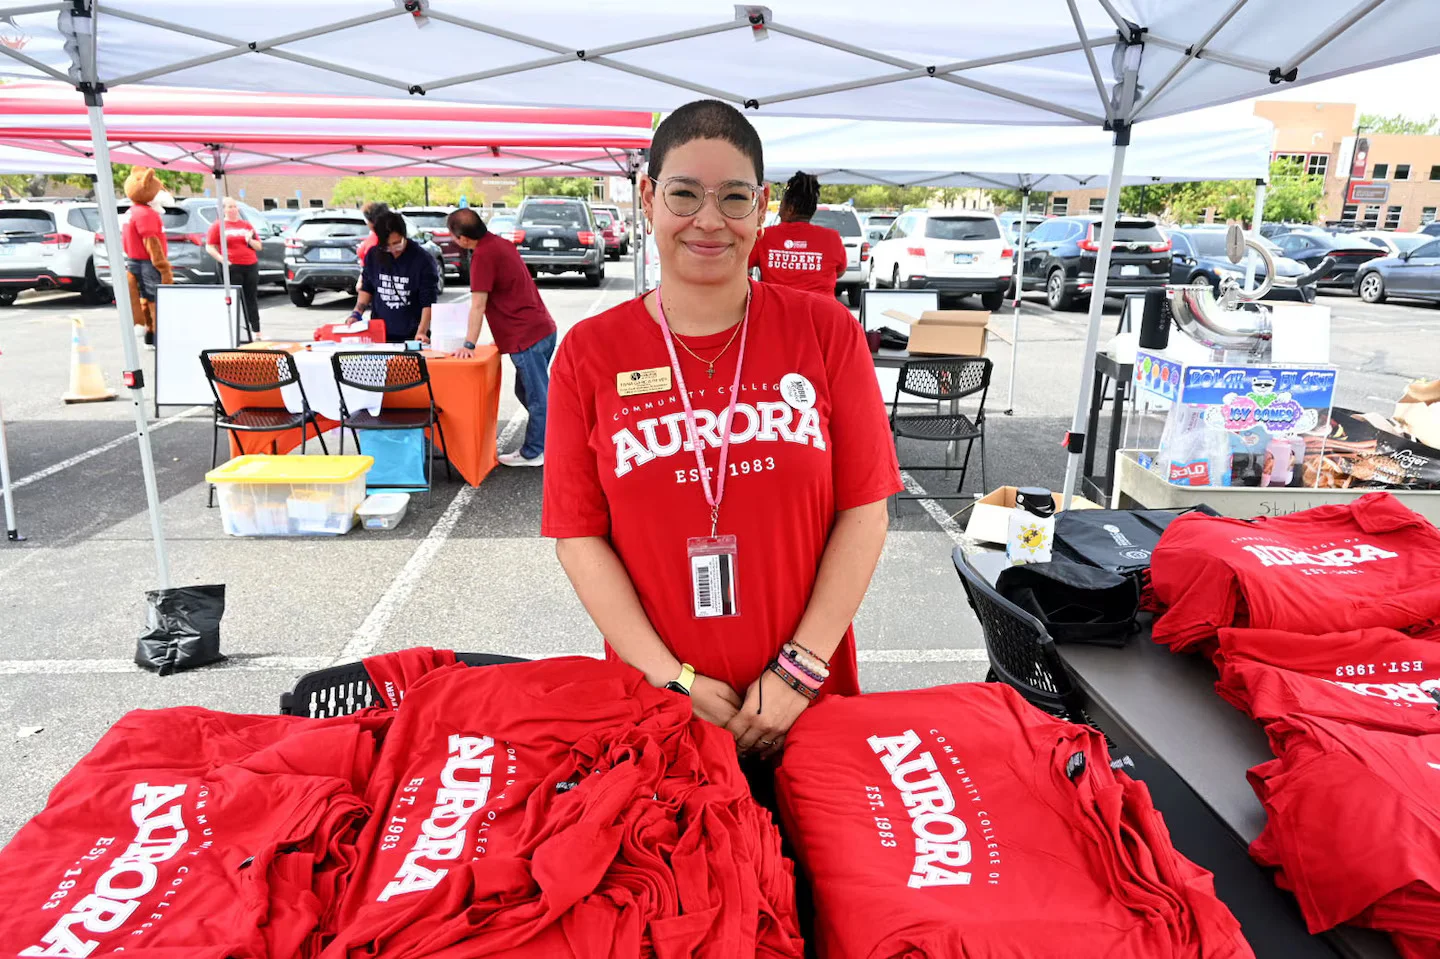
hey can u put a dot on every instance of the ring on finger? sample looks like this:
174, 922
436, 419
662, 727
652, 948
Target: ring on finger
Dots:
767, 742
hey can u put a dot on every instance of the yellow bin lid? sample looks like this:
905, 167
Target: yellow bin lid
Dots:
256, 468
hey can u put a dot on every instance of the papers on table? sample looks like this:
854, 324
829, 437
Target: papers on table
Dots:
449, 322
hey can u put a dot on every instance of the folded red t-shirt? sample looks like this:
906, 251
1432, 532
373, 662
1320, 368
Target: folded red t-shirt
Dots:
960, 821
1373, 562
203, 833
1376, 678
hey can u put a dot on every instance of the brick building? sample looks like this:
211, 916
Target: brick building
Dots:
1401, 173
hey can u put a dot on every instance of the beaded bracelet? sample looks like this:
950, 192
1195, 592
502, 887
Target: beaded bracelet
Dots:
799, 673
810, 664
791, 681
820, 660
817, 675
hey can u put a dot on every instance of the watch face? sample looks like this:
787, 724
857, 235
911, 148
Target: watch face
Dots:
675, 687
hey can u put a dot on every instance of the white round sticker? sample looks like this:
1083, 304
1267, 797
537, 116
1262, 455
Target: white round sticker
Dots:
797, 391
789, 244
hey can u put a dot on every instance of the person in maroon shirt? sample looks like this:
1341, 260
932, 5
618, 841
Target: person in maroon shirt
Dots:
502, 289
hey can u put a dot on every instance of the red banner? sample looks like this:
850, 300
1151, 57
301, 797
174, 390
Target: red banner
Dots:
1360, 158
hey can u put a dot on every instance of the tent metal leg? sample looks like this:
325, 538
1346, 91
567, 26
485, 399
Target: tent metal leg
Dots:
12, 531
637, 247
236, 315
1255, 221
1015, 316
1092, 334
110, 222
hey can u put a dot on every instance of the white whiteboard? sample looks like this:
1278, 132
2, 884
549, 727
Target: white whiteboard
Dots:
191, 319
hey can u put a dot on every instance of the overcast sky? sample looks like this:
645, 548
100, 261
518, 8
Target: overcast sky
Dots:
1409, 88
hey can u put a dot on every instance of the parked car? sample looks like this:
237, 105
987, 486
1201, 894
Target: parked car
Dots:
557, 234
434, 220
1310, 247
49, 244
320, 253
842, 220
186, 224
1412, 274
1430, 229
614, 234
877, 225
1198, 255
955, 253
1010, 223
1391, 242
502, 225
282, 220
1271, 231
621, 227
1059, 258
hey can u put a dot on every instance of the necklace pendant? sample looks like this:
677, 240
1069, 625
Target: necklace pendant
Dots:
710, 371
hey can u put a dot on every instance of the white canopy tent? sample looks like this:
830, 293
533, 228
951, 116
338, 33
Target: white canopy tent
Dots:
1104, 63
20, 159
1220, 143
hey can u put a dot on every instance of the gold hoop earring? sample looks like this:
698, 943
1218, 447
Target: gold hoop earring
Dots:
760, 233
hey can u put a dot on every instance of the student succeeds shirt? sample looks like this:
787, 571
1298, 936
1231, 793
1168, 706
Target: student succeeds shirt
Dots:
810, 438
800, 255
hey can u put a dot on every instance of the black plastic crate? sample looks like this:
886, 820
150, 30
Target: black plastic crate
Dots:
346, 689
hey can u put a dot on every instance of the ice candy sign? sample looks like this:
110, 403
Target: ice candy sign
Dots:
1283, 402
1158, 375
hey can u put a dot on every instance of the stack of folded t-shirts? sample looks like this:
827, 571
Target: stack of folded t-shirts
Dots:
562, 808
187, 832
1353, 795
960, 821
1373, 562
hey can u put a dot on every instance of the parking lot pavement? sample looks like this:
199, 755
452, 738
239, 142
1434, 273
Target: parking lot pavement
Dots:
470, 572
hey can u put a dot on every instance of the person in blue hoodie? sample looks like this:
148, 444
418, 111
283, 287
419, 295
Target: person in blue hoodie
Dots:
398, 281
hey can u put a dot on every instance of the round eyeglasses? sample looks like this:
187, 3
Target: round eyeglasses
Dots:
684, 196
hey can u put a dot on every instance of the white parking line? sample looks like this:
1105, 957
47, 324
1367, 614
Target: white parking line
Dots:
49, 471
944, 520
305, 664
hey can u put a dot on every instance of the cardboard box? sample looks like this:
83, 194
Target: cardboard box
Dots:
946, 332
990, 516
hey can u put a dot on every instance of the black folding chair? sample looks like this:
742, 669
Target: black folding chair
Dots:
346, 689
1022, 655
942, 380
255, 371
376, 372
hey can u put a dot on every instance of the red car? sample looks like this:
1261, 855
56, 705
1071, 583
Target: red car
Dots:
613, 232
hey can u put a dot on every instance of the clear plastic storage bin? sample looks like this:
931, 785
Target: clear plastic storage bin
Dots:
290, 495
383, 510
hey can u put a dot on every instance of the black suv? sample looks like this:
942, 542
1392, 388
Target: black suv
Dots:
320, 253
1060, 258
556, 234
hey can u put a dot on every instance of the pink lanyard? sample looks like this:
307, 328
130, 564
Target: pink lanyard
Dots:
712, 498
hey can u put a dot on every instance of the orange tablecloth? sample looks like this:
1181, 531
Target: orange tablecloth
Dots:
466, 391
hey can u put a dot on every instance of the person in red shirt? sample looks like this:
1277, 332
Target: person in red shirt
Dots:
241, 247
502, 289
795, 252
723, 563
372, 211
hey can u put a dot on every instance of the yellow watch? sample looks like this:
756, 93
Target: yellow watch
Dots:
684, 681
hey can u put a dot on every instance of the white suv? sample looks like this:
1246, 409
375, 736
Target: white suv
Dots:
955, 253
49, 245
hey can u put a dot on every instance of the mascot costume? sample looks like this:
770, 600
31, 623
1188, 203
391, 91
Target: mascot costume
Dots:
146, 255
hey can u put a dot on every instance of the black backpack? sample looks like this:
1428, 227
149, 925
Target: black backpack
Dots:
1076, 603
1114, 539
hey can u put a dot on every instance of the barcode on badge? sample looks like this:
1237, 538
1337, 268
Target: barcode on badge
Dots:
710, 581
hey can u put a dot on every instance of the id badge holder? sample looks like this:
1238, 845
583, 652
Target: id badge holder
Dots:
713, 591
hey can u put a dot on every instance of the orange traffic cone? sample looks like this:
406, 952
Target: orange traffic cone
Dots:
87, 382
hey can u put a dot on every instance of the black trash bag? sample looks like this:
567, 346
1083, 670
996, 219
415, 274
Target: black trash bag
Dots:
1075, 603
184, 629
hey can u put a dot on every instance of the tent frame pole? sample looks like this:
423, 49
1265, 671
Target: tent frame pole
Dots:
1019, 283
637, 246
110, 225
1076, 439
12, 531
1255, 220
233, 315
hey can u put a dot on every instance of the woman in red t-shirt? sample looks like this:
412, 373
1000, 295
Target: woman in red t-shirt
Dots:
241, 247
796, 252
746, 604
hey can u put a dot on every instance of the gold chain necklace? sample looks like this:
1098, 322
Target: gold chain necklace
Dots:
710, 364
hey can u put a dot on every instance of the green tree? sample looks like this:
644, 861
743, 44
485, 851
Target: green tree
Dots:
1292, 195
1011, 200
949, 195
867, 196
577, 186
1398, 123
